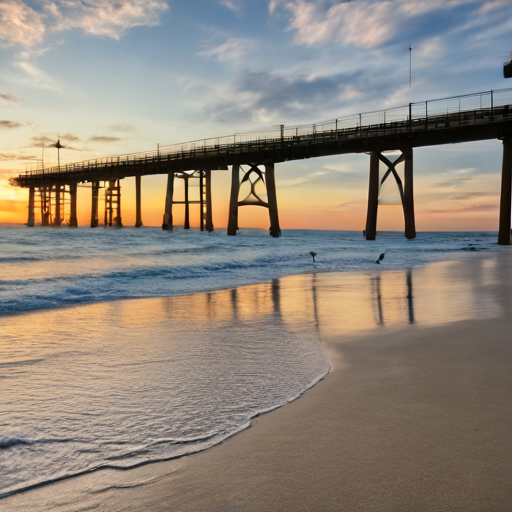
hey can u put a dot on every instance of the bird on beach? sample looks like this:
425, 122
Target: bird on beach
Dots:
381, 257
313, 254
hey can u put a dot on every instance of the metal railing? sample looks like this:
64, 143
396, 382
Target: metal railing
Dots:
478, 108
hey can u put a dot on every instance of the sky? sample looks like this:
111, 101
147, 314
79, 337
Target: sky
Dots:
121, 76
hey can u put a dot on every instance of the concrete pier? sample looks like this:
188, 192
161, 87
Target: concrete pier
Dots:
275, 229
187, 204
373, 197
410, 224
506, 190
233, 201
31, 196
167, 222
95, 190
209, 214
73, 221
138, 206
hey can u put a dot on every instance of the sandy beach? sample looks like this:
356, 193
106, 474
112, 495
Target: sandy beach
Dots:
415, 413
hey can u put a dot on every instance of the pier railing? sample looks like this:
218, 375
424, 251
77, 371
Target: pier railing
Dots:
456, 111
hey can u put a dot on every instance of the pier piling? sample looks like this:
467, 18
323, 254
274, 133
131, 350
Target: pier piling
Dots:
31, 195
373, 196
233, 202
94, 207
506, 191
138, 220
73, 221
167, 222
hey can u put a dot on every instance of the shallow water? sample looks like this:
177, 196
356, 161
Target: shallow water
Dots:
119, 383
47, 268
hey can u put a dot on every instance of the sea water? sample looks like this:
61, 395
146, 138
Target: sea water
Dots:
89, 381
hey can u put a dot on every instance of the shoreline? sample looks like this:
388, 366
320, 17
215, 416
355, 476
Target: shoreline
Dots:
331, 343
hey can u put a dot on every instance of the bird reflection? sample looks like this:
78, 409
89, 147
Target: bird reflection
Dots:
376, 289
410, 302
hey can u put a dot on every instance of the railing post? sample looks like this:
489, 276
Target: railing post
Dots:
492, 105
410, 116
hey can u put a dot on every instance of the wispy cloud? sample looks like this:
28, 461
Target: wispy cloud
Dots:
235, 6
20, 24
9, 156
8, 99
10, 124
234, 49
107, 19
103, 139
39, 78
122, 127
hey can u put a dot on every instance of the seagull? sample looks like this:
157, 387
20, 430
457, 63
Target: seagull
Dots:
381, 257
313, 254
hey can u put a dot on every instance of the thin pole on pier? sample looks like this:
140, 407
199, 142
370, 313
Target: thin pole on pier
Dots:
410, 66
506, 192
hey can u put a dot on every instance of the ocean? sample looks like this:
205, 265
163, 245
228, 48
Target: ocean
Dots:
90, 380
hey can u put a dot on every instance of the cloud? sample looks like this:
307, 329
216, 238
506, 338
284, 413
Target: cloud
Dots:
103, 139
361, 23
272, 97
10, 124
47, 140
9, 99
122, 127
474, 208
230, 4
6, 156
20, 24
39, 77
234, 49
470, 195
107, 19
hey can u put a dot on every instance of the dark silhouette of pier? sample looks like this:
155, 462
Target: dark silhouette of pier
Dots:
472, 117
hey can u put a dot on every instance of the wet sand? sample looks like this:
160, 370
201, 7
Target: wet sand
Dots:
415, 414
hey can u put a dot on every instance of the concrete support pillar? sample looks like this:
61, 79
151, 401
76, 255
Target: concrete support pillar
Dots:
275, 230
57, 219
233, 202
31, 195
138, 216
94, 206
410, 224
506, 191
187, 206
373, 197
209, 215
201, 199
117, 220
167, 222
73, 221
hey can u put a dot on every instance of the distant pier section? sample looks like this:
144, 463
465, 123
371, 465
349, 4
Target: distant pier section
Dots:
253, 158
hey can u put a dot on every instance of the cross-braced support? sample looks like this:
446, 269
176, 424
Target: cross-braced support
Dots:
265, 177
406, 193
204, 201
113, 204
506, 191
